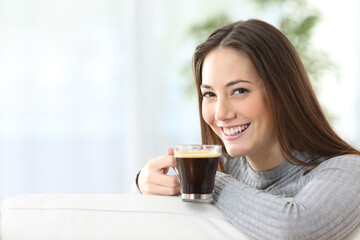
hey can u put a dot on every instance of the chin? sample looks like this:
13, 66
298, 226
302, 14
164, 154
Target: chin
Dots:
234, 151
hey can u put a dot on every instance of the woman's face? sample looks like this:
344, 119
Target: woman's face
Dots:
235, 104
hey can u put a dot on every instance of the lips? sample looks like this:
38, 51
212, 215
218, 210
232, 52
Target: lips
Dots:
234, 132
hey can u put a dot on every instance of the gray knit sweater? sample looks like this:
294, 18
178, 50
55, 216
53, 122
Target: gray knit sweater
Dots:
325, 205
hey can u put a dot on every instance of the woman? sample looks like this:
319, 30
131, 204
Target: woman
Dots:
256, 100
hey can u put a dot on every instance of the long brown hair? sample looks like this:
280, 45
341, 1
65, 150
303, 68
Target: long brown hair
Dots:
299, 120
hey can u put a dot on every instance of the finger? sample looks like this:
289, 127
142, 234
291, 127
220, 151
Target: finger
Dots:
157, 178
170, 151
167, 181
161, 190
165, 170
163, 162
163, 180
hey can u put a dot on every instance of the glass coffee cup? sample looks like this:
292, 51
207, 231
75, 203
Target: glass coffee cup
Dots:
197, 165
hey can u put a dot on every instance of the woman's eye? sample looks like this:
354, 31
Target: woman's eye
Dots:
240, 91
208, 95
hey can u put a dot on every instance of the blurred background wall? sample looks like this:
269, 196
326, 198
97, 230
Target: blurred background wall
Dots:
90, 90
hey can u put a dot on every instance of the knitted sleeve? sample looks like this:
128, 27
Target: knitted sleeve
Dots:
327, 207
135, 188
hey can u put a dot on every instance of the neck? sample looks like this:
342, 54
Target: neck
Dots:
267, 159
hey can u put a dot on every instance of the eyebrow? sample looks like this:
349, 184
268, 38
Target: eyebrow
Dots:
227, 85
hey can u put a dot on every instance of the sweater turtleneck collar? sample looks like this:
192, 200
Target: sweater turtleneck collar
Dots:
285, 168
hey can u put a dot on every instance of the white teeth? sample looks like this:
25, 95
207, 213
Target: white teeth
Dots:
234, 131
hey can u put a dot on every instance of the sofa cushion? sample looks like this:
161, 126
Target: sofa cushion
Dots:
94, 217
107, 217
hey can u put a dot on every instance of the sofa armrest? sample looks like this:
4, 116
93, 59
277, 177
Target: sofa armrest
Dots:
106, 217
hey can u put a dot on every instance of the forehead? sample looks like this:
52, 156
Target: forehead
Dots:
223, 65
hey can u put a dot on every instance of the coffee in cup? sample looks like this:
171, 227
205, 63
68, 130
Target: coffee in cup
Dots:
197, 165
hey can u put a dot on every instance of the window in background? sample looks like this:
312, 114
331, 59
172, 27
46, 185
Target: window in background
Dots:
61, 96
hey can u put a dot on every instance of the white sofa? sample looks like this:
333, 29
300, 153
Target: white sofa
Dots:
107, 217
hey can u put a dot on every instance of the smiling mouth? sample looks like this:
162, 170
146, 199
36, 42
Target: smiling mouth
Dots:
233, 131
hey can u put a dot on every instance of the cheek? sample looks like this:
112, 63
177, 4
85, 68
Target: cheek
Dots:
256, 108
207, 113
262, 113
252, 109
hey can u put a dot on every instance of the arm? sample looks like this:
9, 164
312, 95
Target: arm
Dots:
327, 207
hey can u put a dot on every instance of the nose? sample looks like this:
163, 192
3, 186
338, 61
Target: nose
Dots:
224, 110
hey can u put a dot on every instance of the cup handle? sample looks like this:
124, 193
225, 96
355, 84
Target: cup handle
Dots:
177, 174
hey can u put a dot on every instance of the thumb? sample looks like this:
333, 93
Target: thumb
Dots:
170, 151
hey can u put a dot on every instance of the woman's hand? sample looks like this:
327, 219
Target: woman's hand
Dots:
153, 179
